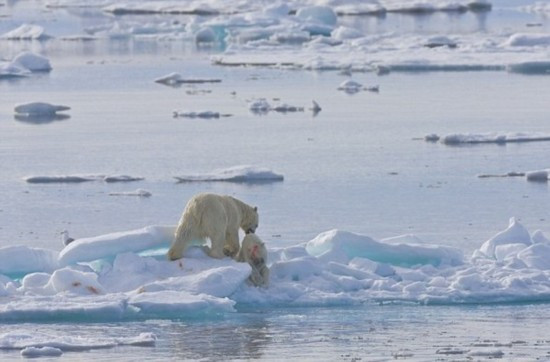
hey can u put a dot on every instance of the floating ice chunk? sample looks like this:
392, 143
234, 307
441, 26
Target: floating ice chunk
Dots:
138, 192
529, 39
37, 340
349, 245
245, 173
33, 352
537, 176
349, 86
487, 352
109, 245
432, 137
81, 178
358, 7
122, 178
24, 259
440, 41
39, 108
173, 79
344, 33
26, 32
514, 234
259, 106
12, 71
201, 114
33, 62
205, 35
534, 67
499, 138
318, 14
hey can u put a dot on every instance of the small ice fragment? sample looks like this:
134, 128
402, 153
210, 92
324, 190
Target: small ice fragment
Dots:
41, 352
259, 106
373, 88
121, 178
39, 108
201, 114
138, 192
350, 86
33, 62
432, 137
537, 176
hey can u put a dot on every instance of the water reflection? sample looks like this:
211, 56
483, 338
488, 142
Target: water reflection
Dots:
39, 119
220, 340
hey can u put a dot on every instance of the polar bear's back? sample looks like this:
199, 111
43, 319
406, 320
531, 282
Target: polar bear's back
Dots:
208, 206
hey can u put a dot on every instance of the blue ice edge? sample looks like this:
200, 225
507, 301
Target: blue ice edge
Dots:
126, 277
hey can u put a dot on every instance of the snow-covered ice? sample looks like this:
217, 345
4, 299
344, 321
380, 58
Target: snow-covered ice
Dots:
174, 79
482, 138
138, 192
39, 108
243, 173
26, 32
81, 178
200, 114
126, 275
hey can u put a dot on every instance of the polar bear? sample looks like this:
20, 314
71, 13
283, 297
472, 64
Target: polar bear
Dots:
217, 217
254, 252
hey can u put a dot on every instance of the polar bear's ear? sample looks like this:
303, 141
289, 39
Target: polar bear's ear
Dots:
256, 208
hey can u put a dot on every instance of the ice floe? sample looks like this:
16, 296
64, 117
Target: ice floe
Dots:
26, 32
23, 65
40, 344
39, 109
200, 114
245, 174
126, 275
483, 138
175, 79
261, 106
351, 87
81, 178
138, 192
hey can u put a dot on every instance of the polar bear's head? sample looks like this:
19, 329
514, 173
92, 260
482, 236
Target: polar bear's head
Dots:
250, 220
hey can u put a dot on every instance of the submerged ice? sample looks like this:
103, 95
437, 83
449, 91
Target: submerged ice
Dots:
126, 276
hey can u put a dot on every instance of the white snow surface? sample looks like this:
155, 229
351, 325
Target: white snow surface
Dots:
244, 173
126, 275
26, 32
23, 65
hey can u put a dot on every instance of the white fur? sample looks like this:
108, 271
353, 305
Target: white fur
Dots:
217, 217
254, 252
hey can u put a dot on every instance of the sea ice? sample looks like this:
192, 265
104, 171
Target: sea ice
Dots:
126, 275
33, 352
481, 138
26, 32
200, 114
138, 192
245, 173
33, 62
81, 178
174, 79
39, 109
537, 176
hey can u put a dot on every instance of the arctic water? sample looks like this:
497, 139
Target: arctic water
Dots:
360, 165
